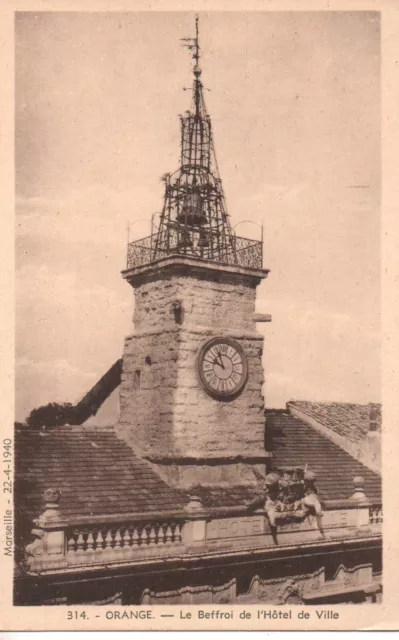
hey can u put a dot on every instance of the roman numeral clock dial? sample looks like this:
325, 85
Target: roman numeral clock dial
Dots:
222, 367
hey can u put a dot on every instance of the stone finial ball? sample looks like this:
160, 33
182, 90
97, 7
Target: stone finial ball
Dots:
51, 495
195, 503
358, 482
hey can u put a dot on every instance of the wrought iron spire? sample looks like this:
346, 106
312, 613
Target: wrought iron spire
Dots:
194, 220
197, 71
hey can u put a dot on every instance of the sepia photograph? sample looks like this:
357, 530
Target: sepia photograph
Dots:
198, 378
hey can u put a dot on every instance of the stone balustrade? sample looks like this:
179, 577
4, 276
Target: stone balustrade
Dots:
122, 541
117, 543
59, 546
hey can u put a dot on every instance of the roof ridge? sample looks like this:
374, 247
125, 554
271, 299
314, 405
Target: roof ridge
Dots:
335, 403
68, 428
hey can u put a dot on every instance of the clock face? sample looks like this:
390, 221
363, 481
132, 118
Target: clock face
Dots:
223, 367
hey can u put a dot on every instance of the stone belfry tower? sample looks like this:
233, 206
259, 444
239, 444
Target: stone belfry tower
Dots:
191, 392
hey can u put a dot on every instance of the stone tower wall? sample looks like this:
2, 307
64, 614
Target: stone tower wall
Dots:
234, 426
225, 305
165, 411
147, 391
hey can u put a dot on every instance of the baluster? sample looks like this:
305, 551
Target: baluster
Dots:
168, 535
152, 538
99, 542
71, 546
178, 533
90, 542
108, 543
118, 541
80, 544
379, 516
126, 538
127, 549
135, 538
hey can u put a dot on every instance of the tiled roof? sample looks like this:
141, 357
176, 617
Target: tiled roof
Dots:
349, 420
294, 443
96, 473
99, 475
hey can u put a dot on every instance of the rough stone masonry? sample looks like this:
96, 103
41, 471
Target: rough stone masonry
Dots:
165, 413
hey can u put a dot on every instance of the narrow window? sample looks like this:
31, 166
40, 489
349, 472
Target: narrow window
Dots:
178, 313
136, 379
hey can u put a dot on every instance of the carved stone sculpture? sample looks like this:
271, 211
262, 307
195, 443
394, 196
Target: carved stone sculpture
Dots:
290, 495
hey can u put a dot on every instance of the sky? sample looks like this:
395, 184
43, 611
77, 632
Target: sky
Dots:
294, 99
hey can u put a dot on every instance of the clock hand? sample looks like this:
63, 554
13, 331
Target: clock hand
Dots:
221, 361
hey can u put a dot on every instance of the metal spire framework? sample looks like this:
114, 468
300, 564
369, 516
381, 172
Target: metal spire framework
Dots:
194, 220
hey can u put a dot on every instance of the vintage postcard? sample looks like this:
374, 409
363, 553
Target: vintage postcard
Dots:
195, 439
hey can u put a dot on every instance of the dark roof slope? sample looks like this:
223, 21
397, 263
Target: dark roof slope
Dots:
346, 419
92, 401
219, 496
96, 473
294, 443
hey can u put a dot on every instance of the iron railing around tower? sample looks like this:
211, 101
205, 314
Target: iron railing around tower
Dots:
243, 252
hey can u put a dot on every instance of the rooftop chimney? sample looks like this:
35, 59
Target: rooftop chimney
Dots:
374, 420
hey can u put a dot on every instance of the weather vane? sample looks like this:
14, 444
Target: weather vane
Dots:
193, 45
